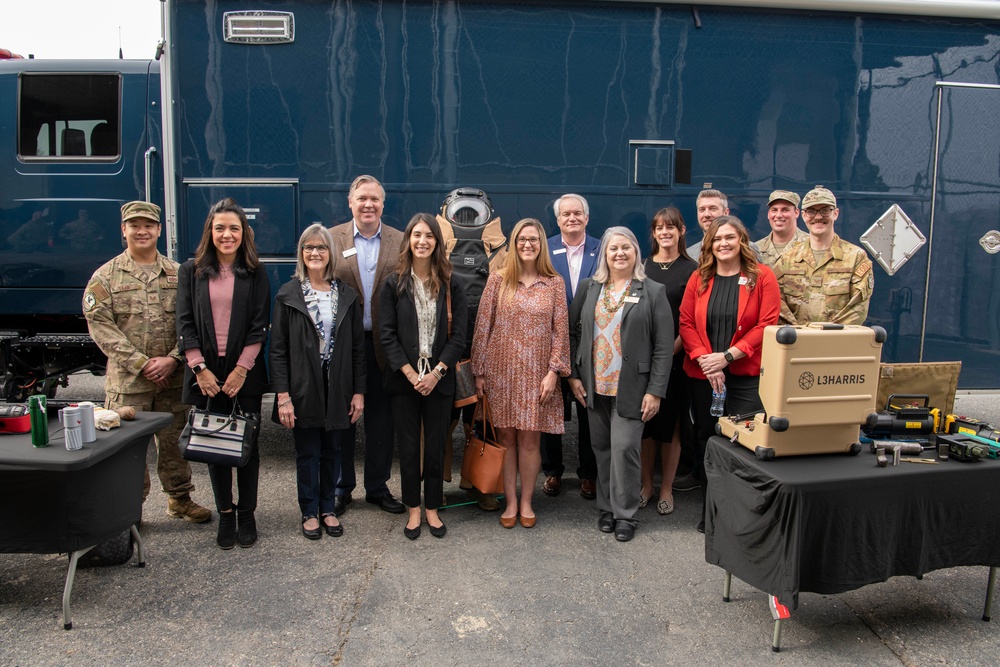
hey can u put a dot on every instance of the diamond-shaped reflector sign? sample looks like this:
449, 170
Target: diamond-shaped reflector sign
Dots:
893, 239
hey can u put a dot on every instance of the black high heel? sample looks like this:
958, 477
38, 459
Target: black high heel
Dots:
313, 534
332, 531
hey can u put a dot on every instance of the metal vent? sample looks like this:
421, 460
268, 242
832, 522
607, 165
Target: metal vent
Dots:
259, 27
893, 239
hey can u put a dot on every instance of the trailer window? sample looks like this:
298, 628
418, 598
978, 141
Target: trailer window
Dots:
69, 116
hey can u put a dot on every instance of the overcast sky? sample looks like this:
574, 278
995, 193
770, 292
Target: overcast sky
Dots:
80, 28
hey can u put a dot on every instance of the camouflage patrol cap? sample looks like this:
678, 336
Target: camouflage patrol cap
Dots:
783, 195
141, 209
818, 196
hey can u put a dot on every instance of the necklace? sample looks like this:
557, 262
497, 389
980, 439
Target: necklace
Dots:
665, 265
610, 305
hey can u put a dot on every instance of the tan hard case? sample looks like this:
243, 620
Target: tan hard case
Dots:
818, 383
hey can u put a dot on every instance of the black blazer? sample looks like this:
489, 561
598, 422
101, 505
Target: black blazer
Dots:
399, 335
295, 361
647, 336
248, 324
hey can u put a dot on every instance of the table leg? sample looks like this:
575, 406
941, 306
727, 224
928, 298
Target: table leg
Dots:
139, 544
727, 587
991, 587
68, 589
779, 612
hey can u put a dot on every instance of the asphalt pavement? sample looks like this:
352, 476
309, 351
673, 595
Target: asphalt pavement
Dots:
561, 593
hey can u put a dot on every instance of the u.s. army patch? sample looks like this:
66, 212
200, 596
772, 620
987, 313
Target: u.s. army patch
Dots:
89, 301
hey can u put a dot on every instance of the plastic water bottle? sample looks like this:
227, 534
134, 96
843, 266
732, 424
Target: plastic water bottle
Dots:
718, 402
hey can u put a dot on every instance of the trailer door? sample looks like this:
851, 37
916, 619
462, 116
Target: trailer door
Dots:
962, 309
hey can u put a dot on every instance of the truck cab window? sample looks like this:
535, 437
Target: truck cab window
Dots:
69, 116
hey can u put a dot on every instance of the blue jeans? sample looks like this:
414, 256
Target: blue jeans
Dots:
317, 466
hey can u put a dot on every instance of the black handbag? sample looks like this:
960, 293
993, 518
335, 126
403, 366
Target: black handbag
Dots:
220, 439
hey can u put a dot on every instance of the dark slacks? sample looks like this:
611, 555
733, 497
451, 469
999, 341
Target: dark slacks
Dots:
317, 466
378, 436
617, 443
552, 445
409, 411
246, 477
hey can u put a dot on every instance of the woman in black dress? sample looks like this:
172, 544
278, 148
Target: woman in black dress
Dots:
669, 265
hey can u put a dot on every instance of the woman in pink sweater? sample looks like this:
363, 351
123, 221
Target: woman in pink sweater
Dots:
223, 314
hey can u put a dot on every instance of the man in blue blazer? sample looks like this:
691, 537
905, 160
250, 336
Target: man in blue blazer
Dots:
574, 255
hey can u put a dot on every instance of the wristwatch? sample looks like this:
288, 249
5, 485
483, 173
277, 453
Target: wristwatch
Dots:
442, 370
728, 357
198, 368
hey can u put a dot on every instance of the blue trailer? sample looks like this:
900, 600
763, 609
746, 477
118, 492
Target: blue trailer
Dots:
635, 105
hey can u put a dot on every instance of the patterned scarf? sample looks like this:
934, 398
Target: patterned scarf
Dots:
312, 306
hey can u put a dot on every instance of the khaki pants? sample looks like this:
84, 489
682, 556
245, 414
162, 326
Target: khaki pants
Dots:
174, 472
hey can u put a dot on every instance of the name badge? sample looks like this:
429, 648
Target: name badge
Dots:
560, 251
743, 280
631, 299
350, 252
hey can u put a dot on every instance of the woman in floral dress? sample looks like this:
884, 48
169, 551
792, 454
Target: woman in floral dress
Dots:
519, 350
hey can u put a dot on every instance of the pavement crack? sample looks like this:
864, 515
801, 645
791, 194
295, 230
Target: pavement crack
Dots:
362, 590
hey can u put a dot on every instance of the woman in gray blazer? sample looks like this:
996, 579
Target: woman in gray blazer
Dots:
621, 340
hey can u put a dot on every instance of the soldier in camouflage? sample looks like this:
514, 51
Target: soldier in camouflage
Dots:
783, 216
825, 279
129, 305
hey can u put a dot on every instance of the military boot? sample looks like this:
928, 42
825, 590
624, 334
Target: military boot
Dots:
187, 509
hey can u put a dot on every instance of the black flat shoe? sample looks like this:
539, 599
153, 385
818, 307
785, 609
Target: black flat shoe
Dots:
332, 531
624, 531
439, 531
606, 522
313, 534
411, 533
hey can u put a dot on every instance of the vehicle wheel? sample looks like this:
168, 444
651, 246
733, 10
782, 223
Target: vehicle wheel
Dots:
115, 551
764, 453
855, 449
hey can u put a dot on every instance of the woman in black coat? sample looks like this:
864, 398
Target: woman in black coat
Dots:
317, 374
421, 346
223, 311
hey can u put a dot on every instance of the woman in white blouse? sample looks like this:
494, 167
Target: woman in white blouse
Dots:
423, 316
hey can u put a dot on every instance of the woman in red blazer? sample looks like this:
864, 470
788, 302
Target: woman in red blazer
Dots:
728, 301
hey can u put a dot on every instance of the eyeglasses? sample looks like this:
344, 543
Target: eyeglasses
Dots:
822, 212
521, 240
310, 249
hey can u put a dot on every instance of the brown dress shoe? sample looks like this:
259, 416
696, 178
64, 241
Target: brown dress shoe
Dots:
508, 521
552, 485
588, 489
528, 521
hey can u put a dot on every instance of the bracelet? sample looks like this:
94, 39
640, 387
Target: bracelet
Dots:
242, 375
285, 402
436, 373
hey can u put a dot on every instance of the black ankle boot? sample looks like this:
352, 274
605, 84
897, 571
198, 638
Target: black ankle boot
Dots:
226, 539
247, 532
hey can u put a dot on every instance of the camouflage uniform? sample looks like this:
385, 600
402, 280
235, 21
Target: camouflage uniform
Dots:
837, 290
131, 318
769, 254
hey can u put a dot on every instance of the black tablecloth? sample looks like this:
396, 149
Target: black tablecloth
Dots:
833, 523
53, 500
